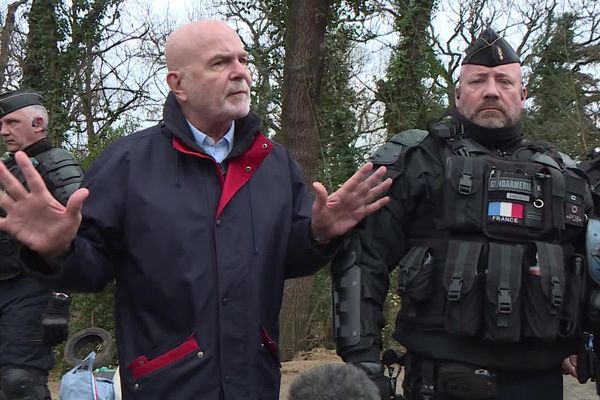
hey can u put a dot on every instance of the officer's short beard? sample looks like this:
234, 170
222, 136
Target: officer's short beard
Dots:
505, 120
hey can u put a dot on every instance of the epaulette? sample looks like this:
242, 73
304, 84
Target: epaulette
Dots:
390, 152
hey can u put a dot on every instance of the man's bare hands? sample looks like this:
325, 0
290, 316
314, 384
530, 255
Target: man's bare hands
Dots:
335, 214
35, 217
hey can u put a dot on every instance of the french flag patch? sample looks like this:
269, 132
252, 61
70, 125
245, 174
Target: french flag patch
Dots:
505, 209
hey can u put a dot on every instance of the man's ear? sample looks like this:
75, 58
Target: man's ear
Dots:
174, 81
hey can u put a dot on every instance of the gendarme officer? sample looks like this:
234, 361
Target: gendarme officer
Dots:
32, 317
487, 232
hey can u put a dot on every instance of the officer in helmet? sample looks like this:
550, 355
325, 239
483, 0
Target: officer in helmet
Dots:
487, 232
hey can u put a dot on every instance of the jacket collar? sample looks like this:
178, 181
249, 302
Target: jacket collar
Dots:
38, 147
175, 125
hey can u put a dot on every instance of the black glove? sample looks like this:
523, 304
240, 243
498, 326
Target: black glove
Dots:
55, 321
374, 371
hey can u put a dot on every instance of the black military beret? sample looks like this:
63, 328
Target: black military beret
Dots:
490, 50
12, 101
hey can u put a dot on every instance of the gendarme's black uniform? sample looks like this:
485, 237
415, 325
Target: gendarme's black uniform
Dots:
487, 232
23, 298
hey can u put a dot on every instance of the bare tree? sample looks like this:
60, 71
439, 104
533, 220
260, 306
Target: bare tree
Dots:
6, 38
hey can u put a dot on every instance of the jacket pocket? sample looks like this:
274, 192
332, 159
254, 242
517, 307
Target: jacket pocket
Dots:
503, 287
464, 288
144, 367
544, 284
270, 346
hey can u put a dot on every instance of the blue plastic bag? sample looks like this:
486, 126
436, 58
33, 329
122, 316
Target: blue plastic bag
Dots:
81, 384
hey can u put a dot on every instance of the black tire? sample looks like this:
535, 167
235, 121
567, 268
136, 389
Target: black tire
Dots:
81, 343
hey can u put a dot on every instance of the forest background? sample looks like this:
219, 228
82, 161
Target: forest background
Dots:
333, 79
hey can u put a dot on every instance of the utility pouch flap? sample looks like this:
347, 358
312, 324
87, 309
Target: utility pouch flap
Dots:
552, 272
461, 268
503, 287
463, 287
463, 193
466, 174
504, 275
414, 277
544, 294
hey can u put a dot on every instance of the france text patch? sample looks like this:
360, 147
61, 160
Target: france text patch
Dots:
505, 212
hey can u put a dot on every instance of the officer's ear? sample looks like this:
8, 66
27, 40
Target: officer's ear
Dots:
523, 92
37, 122
457, 92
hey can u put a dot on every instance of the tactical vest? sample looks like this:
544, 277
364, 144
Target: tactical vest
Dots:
501, 265
62, 176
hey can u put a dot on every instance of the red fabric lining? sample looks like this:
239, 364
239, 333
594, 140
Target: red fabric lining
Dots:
237, 174
270, 344
179, 146
239, 170
141, 366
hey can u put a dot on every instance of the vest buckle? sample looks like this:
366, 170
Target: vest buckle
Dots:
465, 184
455, 288
556, 292
504, 301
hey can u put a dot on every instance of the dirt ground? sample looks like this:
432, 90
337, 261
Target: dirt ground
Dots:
308, 360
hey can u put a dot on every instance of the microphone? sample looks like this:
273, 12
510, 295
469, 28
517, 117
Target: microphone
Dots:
334, 381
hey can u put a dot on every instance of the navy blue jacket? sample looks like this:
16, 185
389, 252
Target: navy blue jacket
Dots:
199, 258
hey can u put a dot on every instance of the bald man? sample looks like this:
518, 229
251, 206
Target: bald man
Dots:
200, 219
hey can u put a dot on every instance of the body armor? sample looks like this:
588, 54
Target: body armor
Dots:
490, 254
62, 176
502, 268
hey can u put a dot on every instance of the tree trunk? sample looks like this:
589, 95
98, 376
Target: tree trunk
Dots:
305, 33
5, 38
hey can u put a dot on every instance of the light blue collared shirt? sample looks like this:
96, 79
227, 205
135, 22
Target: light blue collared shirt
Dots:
218, 150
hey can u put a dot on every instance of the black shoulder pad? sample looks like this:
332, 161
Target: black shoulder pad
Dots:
61, 172
390, 152
567, 160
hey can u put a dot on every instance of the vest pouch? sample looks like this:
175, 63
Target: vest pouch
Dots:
523, 200
502, 314
463, 193
544, 292
570, 311
464, 288
415, 276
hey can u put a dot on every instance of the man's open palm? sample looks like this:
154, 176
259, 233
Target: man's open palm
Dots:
35, 218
